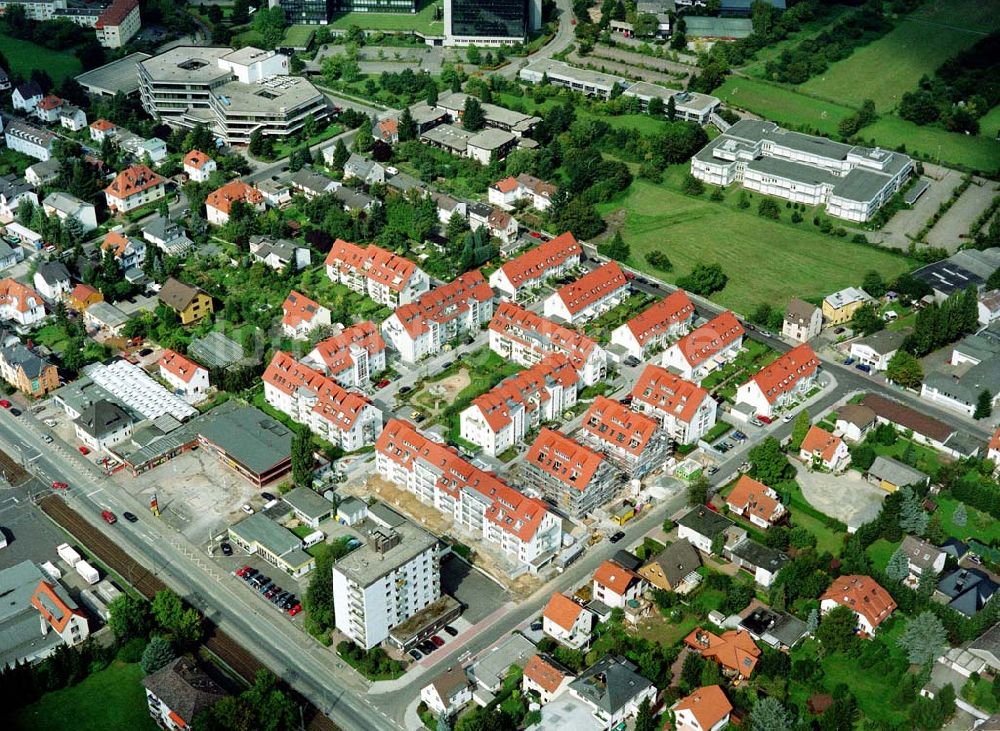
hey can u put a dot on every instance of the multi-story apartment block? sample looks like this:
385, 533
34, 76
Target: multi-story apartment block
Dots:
499, 419
301, 315
656, 326
344, 418
134, 187
506, 23
352, 357
118, 23
439, 315
631, 441
385, 582
706, 348
522, 528
686, 411
526, 338
572, 477
774, 385
31, 141
387, 278
219, 202
592, 294
840, 306
530, 270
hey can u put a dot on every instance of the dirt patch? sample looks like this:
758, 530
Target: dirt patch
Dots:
405, 502
435, 396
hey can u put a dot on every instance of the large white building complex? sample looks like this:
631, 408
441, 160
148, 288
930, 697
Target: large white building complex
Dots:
235, 93
853, 182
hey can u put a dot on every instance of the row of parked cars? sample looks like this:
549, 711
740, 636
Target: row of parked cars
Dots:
430, 645
256, 580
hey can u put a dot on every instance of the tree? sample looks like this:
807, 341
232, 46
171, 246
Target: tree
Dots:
697, 490
770, 465
432, 94
812, 621
898, 567
340, 155
960, 516
704, 279
768, 208
407, 126
363, 140
184, 624
644, 720
800, 429
769, 714
128, 617
655, 107
873, 284
984, 405
678, 40
691, 185
912, 518
836, 630
691, 670
303, 460
659, 260
905, 369
616, 248
158, 653
866, 321
473, 117
442, 722
923, 639
262, 706
671, 109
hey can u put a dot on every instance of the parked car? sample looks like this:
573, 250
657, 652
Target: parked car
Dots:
247, 509
427, 647
15, 411
405, 389
838, 330
83, 450
849, 361
383, 383
415, 654
617, 536
632, 361
5, 403
294, 610
713, 470
268, 497
129, 517
227, 550
109, 517
787, 417
722, 447
451, 630
50, 422
765, 419
437, 640
242, 571
57, 485
626, 400
47, 438
863, 367
536, 626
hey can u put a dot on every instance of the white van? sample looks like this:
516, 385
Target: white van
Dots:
313, 538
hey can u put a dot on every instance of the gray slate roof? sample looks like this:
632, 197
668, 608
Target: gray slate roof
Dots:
610, 683
894, 471
248, 435
184, 688
53, 272
704, 522
677, 561
308, 502
102, 418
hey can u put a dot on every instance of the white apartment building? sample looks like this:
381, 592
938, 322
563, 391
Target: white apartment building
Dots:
385, 277
31, 141
521, 528
656, 326
438, 316
134, 187
686, 411
589, 296
385, 582
522, 336
530, 270
344, 418
774, 385
802, 321
853, 182
499, 419
352, 357
631, 441
65, 205
35, 9
72, 118
706, 348
185, 377
574, 478
877, 349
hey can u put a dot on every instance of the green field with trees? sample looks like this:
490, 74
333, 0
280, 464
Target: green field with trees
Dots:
782, 104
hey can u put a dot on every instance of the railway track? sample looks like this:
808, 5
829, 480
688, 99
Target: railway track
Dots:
12, 471
233, 654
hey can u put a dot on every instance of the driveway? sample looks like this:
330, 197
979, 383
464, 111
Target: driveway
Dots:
909, 222
848, 497
952, 230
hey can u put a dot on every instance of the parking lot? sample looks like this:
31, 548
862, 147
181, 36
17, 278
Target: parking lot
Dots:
479, 595
847, 497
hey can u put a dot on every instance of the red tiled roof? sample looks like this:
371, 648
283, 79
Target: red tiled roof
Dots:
235, 190
708, 705
615, 578
822, 442
388, 128
515, 322
335, 352
781, 376
562, 610
752, 497
445, 303
116, 241
196, 159
133, 180
115, 13
47, 601
335, 404
103, 125
564, 459
995, 441
592, 287
543, 674
180, 366
533, 264
12, 290
734, 650
669, 393
298, 309
372, 262
528, 388
704, 342
659, 318
50, 102
619, 426
862, 595
83, 292
507, 185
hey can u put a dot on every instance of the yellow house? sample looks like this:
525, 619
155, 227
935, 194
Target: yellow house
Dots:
840, 307
190, 303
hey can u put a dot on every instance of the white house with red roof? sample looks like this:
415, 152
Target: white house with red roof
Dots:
544, 677
574, 478
686, 411
48, 108
706, 348
530, 270
101, 128
118, 23
567, 622
615, 585
632, 441
656, 326
522, 528
993, 451
344, 418
706, 709
134, 187
352, 357
784, 380
871, 604
385, 277
823, 448
128, 251
524, 337
594, 293
756, 502
438, 316
198, 166
301, 315
59, 614
183, 375
220, 201
20, 303
507, 193
498, 419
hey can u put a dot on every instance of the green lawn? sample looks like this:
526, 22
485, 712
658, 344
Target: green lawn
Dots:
298, 36
989, 125
976, 152
788, 260
110, 699
880, 552
284, 148
927, 459
979, 526
831, 15
422, 21
23, 56
782, 104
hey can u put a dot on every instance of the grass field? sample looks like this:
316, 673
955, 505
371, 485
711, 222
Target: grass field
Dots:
24, 56
989, 125
782, 105
977, 152
786, 260
110, 699
768, 53
422, 21
979, 525
298, 36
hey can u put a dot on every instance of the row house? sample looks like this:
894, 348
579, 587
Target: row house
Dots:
344, 418
521, 527
574, 478
219, 202
20, 303
510, 191
438, 316
301, 315
706, 348
129, 252
780, 382
530, 270
385, 277
686, 411
820, 447
567, 622
589, 296
352, 357
632, 442
656, 326
756, 502
133, 188
183, 375
499, 419
526, 338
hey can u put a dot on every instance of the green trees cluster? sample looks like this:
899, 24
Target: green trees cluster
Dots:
704, 279
937, 325
264, 706
615, 248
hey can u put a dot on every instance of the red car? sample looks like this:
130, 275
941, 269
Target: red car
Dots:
240, 572
5, 403
765, 419
294, 610
109, 517
56, 485
438, 642
535, 235
383, 383
84, 450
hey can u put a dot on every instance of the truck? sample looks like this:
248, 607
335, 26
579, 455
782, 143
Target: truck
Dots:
68, 554
87, 572
313, 538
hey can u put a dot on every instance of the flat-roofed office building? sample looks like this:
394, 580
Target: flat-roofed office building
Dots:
495, 23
